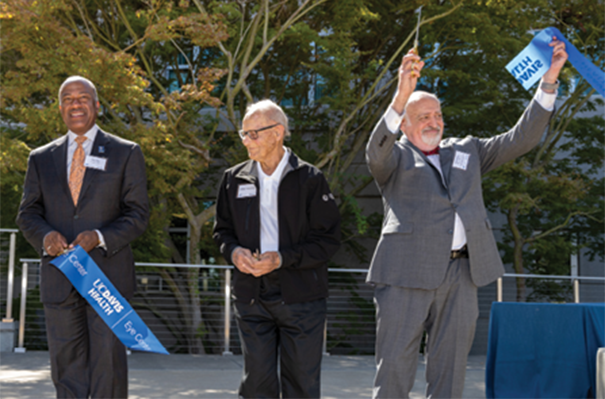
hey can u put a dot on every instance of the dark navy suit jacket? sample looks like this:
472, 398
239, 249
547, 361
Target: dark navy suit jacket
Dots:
113, 200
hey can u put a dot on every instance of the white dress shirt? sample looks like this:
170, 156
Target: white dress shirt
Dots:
269, 225
393, 121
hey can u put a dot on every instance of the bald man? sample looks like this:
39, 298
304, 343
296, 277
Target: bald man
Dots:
436, 245
278, 223
86, 188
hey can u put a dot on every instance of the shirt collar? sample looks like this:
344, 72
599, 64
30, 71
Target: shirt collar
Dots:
280, 167
90, 135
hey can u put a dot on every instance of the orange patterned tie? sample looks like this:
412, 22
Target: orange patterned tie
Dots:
76, 172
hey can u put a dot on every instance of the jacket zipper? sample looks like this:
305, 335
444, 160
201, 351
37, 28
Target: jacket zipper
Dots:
248, 213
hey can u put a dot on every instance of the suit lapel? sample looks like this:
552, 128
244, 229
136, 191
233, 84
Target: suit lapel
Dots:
102, 140
444, 158
446, 154
59, 155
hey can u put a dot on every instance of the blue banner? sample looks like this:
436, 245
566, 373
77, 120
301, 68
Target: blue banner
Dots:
116, 312
533, 62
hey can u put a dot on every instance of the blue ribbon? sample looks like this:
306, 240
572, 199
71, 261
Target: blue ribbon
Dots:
533, 62
116, 312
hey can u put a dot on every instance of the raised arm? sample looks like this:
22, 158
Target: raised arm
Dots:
528, 131
381, 158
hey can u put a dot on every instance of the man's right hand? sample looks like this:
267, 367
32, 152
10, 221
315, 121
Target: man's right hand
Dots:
408, 73
244, 260
54, 243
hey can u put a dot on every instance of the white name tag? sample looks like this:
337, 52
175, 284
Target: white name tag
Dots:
246, 190
461, 160
95, 162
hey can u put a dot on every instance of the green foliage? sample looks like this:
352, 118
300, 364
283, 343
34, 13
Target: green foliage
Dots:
553, 191
333, 66
124, 48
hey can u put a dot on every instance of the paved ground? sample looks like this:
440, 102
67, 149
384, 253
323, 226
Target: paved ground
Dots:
27, 375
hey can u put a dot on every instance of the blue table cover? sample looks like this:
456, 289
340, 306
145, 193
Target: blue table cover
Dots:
541, 350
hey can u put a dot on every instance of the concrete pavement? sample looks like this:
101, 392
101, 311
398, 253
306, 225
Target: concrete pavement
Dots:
27, 376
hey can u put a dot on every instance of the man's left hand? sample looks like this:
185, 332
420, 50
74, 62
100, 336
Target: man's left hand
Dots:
267, 262
559, 56
88, 240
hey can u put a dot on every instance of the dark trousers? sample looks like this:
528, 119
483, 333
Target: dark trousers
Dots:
293, 333
86, 358
448, 314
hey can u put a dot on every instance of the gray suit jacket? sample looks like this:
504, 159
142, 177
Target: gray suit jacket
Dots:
419, 206
114, 201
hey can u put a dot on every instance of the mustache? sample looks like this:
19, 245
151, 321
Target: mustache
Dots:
431, 130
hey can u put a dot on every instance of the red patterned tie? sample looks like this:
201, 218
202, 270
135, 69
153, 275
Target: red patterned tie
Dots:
76, 172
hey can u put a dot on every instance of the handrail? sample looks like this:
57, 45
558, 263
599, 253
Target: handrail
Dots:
184, 265
203, 266
554, 276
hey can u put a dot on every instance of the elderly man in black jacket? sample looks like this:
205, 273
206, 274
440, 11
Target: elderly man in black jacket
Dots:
278, 223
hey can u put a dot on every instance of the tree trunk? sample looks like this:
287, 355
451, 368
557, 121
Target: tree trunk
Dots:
193, 285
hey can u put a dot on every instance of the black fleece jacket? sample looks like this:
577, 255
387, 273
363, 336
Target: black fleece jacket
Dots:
309, 228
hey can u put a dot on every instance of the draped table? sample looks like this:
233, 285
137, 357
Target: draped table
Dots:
543, 350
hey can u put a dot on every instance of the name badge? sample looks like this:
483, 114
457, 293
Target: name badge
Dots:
95, 162
246, 190
461, 160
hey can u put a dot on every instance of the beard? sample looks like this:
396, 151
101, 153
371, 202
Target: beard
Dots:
431, 136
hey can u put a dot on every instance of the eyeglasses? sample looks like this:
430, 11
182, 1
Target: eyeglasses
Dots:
253, 134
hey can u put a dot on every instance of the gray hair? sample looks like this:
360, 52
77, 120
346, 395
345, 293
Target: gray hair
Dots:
270, 110
77, 78
418, 96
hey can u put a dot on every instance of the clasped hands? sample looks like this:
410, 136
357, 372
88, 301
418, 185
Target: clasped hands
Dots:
257, 265
54, 242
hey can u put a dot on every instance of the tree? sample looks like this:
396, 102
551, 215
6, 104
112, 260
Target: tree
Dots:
44, 42
553, 197
169, 72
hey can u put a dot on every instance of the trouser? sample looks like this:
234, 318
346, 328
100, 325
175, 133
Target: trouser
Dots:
86, 358
448, 314
293, 333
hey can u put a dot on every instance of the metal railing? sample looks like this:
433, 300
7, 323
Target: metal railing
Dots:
350, 324
335, 324
11, 274
574, 279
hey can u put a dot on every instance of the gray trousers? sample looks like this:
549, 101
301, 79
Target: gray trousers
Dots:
448, 314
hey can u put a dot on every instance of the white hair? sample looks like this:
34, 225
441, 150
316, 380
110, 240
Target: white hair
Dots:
418, 96
77, 78
270, 110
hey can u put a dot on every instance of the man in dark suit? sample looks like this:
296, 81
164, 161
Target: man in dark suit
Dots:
436, 245
278, 223
85, 188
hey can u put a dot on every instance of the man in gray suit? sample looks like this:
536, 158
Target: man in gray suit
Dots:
85, 188
436, 245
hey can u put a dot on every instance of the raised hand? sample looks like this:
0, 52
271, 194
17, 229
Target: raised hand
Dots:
408, 74
559, 56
